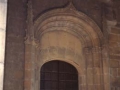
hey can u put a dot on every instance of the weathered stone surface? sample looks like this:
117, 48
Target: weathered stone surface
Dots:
98, 87
114, 63
97, 79
14, 58
90, 63
90, 76
118, 71
90, 87
115, 56
113, 37
114, 72
113, 44
115, 30
114, 50
62, 46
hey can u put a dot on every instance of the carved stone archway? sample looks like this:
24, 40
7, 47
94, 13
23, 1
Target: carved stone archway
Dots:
68, 35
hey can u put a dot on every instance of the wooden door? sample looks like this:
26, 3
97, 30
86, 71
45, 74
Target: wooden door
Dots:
58, 75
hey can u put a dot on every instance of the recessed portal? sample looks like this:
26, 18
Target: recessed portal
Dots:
58, 75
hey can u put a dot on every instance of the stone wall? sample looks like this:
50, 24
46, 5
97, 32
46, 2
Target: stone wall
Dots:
114, 49
95, 9
112, 34
60, 34
92, 8
14, 55
3, 14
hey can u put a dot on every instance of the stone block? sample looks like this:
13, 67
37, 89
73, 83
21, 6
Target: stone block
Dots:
69, 54
114, 50
18, 74
114, 63
61, 52
113, 72
28, 84
98, 87
96, 59
97, 62
107, 86
83, 87
113, 88
90, 63
28, 65
115, 56
97, 71
97, 79
106, 79
3, 1
113, 79
115, 30
1, 75
28, 74
44, 54
2, 45
119, 72
83, 80
113, 37
113, 44
53, 52
90, 87
90, 71
90, 76
13, 27
13, 85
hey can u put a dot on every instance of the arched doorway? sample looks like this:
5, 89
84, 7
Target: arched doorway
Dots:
58, 75
60, 34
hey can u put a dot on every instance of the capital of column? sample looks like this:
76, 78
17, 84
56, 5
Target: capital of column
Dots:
31, 41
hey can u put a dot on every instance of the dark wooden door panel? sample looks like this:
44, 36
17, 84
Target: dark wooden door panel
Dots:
58, 75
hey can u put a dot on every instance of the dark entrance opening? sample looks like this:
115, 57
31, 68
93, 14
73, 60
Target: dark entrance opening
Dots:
58, 75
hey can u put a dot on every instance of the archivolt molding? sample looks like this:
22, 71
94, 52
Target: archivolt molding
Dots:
70, 20
83, 39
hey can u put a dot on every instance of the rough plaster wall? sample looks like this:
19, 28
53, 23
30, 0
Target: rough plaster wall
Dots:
14, 58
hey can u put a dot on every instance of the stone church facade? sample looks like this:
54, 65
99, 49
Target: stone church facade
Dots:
83, 33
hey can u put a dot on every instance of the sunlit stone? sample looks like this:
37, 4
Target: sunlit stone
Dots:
2, 45
1, 75
3, 10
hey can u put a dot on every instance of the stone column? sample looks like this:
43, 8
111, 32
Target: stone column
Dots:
30, 52
30, 68
3, 13
94, 69
97, 68
89, 69
106, 68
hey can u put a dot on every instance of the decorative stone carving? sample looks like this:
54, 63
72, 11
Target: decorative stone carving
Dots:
66, 19
29, 39
50, 30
